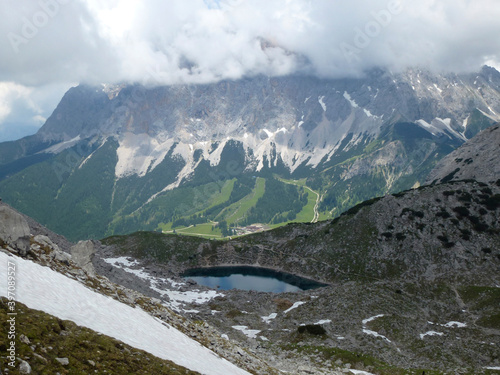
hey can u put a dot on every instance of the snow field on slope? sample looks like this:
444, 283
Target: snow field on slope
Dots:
43, 289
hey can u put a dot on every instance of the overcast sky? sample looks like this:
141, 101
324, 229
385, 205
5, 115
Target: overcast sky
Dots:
48, 46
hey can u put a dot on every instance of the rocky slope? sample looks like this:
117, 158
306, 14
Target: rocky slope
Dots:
422, 264
38, 335
477, 159
117, 156
413, 284
413, 279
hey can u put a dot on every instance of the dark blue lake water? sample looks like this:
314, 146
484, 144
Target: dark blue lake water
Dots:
250, 278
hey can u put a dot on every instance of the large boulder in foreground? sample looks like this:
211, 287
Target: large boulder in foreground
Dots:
82, 254
14, 229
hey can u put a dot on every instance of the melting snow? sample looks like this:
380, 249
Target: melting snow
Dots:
268, 319
269, 134
294, 306
370, 332
437, 88
464, 124
359, 372
350, 100
368, 113
450, 324
250, 333
325, 321
376, 334
323, 105
455, 324
431, 333
177, 298
43, 289
368, 320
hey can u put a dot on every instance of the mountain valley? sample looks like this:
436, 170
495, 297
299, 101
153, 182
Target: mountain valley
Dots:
215, 159
412, 281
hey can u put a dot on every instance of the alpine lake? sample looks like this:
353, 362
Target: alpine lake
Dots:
250, 278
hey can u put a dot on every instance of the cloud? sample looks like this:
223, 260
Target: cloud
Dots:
49, 43
23, 109
202, 41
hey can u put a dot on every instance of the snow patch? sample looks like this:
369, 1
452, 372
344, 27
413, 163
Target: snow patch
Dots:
250, 333
165, 287
323, 105
360, 372
370, 332
432, 129
437, 88
268, 319
455, 324
294, 306
431, 333
43, 289
324, 321
368, 113
269, 133
464, 125
375, 334
350, 100
368, 320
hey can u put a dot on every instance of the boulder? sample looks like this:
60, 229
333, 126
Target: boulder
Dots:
14, 229
63, 361
24, 367
82, 254
45, 242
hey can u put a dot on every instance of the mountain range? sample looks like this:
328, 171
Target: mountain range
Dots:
410, 286
216, 157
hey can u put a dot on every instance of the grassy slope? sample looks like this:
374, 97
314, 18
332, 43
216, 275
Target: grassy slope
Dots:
87, 351
239, 209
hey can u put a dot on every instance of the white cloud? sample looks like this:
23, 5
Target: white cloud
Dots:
161, 42
201, 41
9, 93
23, 109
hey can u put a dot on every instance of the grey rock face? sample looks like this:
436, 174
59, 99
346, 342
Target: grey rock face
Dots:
477, 159
57, 254
45, 241
82, 254
14, 229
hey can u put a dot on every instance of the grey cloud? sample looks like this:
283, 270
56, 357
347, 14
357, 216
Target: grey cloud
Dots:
188, 41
